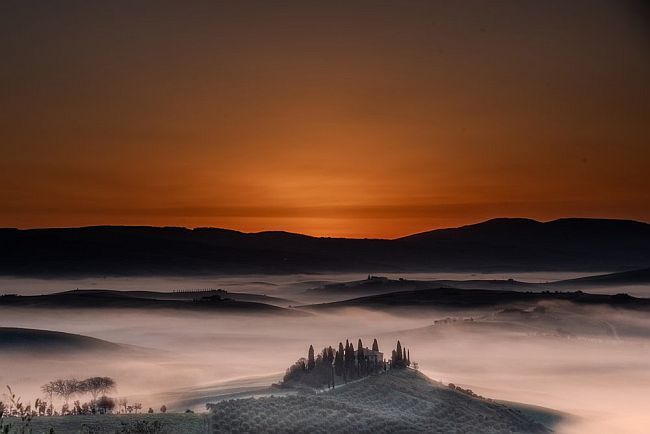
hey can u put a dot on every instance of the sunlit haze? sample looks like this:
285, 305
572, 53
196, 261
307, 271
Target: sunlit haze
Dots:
363, 119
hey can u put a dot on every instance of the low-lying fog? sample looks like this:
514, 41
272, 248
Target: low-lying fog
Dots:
602, 376
255, 283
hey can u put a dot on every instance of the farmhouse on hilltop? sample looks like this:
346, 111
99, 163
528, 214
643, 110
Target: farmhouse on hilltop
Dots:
371, 358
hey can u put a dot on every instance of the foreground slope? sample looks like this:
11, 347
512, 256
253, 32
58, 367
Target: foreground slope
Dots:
169, 423
397, 401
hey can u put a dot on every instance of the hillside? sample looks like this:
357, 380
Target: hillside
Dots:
96, 299
191, 295
371, 286
375, 285
499, 244
33, 340
398, 401
633, 277
477, 298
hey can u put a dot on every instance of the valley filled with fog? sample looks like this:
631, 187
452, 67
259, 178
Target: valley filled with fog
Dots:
590, 361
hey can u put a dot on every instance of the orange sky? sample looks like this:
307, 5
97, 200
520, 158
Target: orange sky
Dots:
351, 119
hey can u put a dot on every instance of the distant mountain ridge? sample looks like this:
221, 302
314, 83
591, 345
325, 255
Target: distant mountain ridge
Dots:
495, 245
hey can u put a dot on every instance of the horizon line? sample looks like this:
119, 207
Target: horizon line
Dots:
192, 228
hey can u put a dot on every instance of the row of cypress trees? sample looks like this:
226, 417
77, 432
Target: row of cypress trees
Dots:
344, 363
349, 365
400, 357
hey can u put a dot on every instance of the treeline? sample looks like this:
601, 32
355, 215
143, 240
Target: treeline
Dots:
66, 390
331, 367
400, 357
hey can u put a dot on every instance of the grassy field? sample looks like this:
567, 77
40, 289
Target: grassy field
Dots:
400, 401
168, 423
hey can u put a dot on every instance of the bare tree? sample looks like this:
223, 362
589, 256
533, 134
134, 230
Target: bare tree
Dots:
97, 386
48, 389
122, 402
66, 388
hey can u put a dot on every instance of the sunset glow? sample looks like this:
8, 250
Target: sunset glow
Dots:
338, 121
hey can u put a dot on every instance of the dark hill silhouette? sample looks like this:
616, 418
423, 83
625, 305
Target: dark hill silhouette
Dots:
189, 295
479, 298
381, 285
109, 299
375, 285
500, 244
34, 340
587, 244
632, 277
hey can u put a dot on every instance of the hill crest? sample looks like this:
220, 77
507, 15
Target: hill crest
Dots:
494, 245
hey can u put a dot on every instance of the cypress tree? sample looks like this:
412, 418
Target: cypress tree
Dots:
399, 351
375, 345
360, 357
349, 358
404, 356
338, 361
408, 358
310, 358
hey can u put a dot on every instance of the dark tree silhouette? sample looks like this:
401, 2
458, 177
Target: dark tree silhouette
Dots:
311, 363
339, 363
399, 357
98, 386
66, 388
105, 404
330, 355
360, 358
375, 345
349, 359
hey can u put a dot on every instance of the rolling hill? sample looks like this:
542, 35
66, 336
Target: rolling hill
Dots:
499, 244
478, 298
22, 340
632, 277
109, 299
398, 401
375, 285
191, 295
